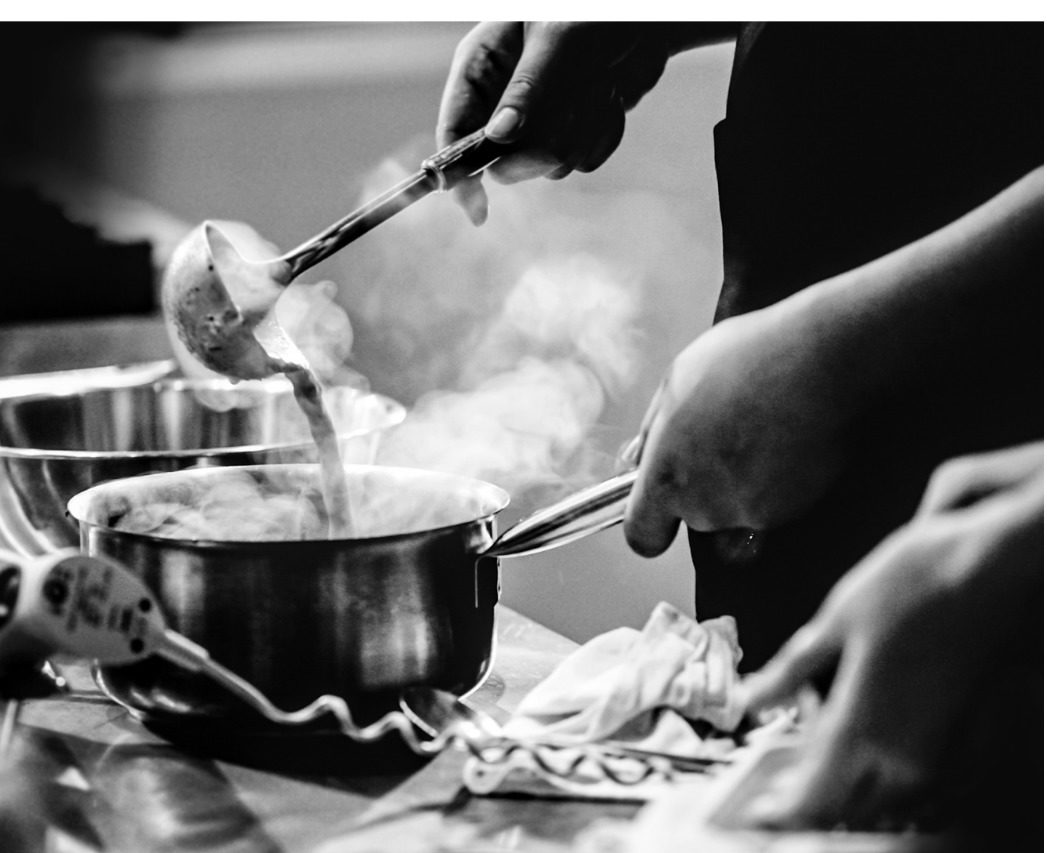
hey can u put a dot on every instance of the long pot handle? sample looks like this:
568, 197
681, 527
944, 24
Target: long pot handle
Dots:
578, 515
597, 508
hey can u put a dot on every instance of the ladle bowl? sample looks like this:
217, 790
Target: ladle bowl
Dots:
222, 304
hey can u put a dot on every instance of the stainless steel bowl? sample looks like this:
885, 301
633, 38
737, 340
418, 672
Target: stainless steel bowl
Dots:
410, 602
61, 433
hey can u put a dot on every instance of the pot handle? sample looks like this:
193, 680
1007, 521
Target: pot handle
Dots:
576, 516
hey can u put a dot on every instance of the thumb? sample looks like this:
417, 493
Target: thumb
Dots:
527, 90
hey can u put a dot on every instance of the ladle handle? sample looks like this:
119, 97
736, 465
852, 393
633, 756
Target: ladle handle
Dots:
442, 171
462, 159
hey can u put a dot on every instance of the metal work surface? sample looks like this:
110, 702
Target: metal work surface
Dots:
102, 779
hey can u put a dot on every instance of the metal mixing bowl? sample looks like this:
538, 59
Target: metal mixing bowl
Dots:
61, 433
410, 601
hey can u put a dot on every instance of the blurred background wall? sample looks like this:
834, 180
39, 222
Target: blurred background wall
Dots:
288, 126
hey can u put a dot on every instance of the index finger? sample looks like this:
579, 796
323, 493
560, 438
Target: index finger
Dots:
650, 523
482, 66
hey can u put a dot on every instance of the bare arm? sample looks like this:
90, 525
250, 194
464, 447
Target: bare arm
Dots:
751, 427
924, 303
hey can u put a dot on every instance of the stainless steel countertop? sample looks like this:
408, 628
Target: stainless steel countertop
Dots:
94, 775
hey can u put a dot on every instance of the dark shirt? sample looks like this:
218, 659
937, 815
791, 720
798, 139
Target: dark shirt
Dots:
841, 143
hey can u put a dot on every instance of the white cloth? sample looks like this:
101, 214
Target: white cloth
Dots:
627, 687
641, 687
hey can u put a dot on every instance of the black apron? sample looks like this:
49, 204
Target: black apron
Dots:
843, 142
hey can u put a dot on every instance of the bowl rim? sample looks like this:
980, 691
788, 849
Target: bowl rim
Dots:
60, 384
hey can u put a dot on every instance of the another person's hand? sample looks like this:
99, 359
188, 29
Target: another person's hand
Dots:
922, 636
557, 90
747, 431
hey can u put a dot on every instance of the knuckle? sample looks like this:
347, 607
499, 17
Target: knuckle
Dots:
522, 87
556, 31
951, 474
644, 540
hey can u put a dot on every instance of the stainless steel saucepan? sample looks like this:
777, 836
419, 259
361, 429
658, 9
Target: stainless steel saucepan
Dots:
408, 601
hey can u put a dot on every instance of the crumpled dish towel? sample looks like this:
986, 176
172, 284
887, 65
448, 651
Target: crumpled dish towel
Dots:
630, 688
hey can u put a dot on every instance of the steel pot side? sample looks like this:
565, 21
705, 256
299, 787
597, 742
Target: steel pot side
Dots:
359, 618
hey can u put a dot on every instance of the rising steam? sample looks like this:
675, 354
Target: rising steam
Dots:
506, 343
533, 383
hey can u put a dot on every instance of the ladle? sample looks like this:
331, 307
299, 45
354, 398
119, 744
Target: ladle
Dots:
221, 304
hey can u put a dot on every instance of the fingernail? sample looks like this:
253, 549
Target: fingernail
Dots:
504, 124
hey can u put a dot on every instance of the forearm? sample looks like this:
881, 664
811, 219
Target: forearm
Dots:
921, 309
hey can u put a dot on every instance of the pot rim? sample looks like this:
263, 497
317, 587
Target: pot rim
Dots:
78, 507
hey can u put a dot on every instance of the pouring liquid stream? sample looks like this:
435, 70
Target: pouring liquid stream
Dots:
309, 396
257, 347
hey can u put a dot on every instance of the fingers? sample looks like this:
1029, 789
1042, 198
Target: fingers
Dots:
870, 758
482, 63
650, 524
810, 652
527, 90
472, 198
965, 480
548, 89
649, 527
608, 128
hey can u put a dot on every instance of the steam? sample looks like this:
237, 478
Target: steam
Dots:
507, 344
507, 341
233, 508
284, 503
533, 384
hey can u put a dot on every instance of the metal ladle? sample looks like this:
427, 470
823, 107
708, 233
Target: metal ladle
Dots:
221, 304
